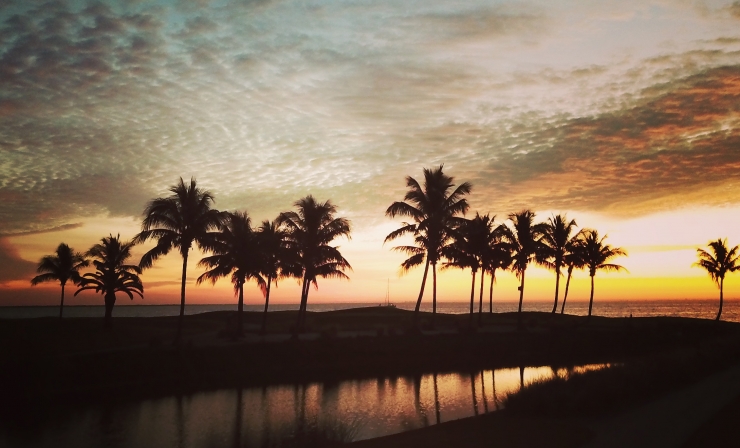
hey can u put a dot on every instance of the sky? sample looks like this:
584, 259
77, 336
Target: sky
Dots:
623, 114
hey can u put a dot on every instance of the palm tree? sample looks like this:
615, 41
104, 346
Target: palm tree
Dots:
176, 222
434, 211
559, 241
469, 249
235, 253
310, 229
275, 259
63, 266
525, 238
574, 259
719, 262
112, 274
596, 254
499, 255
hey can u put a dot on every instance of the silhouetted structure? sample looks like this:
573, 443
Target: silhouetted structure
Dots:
276, 259
63, 266
559, 241
112, 274
310, 229
434, 212
235, 253
176, 222
596, 254
525, 238
718, 263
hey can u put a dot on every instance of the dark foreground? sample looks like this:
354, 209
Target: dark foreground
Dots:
48, 363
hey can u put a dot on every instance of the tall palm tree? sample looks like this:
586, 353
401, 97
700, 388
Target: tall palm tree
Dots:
469, 249
499, 255
559, 239
63, 266
718, 263
434, 210
310, 229
176, 222
275, 258
112, 274
526, 239
574, 259
235, 253
596, 255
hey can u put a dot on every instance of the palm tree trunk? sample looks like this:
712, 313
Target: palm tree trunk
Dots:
591, 300
557, 288
178, 335
110, 300
472, 294
299, 323
480, 294
521, 290
490, 292
61, 305
521, 300
567, 284
721, 290
267, 303
240, 309
434, 292
421, 292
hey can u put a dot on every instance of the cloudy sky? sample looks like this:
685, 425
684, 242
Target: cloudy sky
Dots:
623, 114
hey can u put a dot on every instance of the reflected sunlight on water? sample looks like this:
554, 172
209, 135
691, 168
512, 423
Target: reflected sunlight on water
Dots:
265, 416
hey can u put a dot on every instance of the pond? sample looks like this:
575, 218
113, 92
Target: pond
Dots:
270, 416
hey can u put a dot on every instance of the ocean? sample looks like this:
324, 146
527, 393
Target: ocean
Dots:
702, 309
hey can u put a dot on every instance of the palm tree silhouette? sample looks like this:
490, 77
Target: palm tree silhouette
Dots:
235, 253
499, 255
112, 274
469, 250
434, 211
596, 254
718, 263
525, 238
63, 266
176, 222
310, 229
275, 258
559, 240
574, 259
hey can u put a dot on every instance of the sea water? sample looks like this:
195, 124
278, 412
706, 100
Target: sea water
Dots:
702, 309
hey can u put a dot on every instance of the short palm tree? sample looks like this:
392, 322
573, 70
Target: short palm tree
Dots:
235, 254
309, 230
63, 266
469, 249
176, 222
559, 239
434, 210
499, 255
525, 238
596, 254
718, 262
112, 274
275, 259
574, 259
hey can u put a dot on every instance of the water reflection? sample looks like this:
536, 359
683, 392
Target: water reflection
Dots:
266, 416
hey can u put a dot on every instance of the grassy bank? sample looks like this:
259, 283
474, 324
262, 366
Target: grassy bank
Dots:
76, 360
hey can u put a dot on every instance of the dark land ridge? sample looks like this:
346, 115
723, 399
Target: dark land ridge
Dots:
49, 363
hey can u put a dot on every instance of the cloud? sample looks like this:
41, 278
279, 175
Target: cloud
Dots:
666, 151
13, 266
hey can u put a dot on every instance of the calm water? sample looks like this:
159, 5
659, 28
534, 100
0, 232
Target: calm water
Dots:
704, 309
262, 417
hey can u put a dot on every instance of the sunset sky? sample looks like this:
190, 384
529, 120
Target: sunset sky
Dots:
623, 114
